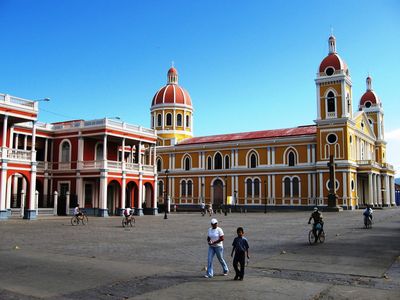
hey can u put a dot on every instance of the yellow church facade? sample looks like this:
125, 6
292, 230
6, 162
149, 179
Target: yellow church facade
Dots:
279, 168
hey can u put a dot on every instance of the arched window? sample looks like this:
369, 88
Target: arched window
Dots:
187, 163
190, 188
159, 165
331, 102
253, 160
169, 120
187, 121
227, 162
249, 187
256, 187
286, 184
160, 188
183, 188
296, 187
291, 159
179, 120
209, 163
66, 152
159, 123
218, 161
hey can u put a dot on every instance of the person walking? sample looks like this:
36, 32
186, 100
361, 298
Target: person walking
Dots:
215, 239
241, 250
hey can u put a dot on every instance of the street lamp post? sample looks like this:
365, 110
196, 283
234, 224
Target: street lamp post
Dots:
265, 196
235, 199
226, 195
166, 195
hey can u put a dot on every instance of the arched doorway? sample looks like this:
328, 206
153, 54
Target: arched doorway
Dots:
148, 198
18, 185
113, 196
131, 195
218, 193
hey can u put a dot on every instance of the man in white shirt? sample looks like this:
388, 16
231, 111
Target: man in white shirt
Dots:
215, 239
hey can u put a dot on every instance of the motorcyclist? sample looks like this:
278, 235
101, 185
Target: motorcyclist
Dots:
317, 217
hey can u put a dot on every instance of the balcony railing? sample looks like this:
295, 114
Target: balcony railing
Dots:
95, 164
16, 154
16, 101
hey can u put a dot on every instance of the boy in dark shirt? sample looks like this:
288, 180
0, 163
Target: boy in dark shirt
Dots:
241, 249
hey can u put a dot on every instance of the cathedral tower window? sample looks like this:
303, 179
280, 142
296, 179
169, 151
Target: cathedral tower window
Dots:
65, 152
257, 187
249, 187
183, 188
331, 102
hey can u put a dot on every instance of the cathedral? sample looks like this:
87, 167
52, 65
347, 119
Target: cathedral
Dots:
278, 168
105, 165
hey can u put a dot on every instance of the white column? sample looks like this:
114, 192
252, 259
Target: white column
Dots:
268, 155
321, 189
140, 194
392, 192
103, 191
155, 190
25, 142
46, 150
123, 190
387, 190
369, 200
379, 189
16, 140
79, 192
33, 148
3, 182
140, 156
309, 188
123, 162
105, 151
11, 144
345, 184
81, 145
5, 125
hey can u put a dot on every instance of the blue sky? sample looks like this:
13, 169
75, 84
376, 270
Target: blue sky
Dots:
248, 65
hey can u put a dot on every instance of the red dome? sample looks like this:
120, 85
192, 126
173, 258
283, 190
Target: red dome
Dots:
172, 70
332, 60
172, 94
371, 97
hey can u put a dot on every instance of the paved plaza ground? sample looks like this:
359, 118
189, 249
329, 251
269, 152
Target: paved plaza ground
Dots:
165, 259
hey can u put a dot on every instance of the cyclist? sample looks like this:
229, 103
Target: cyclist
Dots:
78, 212
317, 217
368, 212
127, 213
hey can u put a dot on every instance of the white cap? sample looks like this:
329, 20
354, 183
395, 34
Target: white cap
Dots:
214, 221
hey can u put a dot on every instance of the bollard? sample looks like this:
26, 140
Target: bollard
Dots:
55, 203
22, 202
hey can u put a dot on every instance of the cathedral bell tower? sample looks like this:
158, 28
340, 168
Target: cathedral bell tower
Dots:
371, 105
172, 112
333, 82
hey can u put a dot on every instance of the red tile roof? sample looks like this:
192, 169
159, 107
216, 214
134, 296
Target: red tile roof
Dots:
252, 135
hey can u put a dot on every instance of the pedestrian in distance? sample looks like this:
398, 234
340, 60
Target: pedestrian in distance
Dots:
215, 239
240, 247
203, 208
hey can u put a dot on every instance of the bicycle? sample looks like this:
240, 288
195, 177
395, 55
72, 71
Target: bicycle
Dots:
318, 236
128, 221
367, 222
82, 219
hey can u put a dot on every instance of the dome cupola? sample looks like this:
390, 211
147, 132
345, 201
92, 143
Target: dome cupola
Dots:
172, 93
370, 98
333, 63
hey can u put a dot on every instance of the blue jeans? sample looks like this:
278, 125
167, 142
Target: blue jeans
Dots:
219, 251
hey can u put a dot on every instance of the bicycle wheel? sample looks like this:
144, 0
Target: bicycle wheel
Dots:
368, 224
124, 223
86, 219
133, 222
74, 221
322, 237
311, 237
83, 220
